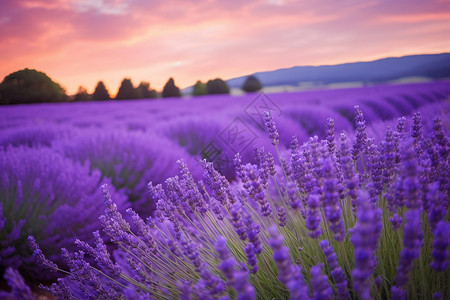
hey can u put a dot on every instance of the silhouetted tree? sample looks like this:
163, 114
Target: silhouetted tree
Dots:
127, 90
199, 89
251, 84
217, 86
82, 95
30, 86
144, 91
170, 89
100, 92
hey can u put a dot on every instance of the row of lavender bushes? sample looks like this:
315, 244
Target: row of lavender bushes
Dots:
335, 219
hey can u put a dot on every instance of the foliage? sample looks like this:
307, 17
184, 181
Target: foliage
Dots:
170, 89
145, 92
82, 95
251, 84
127, 90
347, 220
199, 89
100, 92
30, 86
217, 86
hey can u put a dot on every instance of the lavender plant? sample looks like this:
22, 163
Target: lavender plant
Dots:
317, 226
48, 196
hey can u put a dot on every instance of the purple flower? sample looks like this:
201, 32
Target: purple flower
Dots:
298, 166
217, 183
280, 256
144, 230
19, 290
253, 230
313, 218
214, 284
336, 271
331, 141
271, 164
348, 172
416, 131
101, 255
59, 289
388, 155
239, 168
238, 223
408, 176
374, 165
331, 206
238, 279
226, 265
285, 167
271, 128
365, 236
263, 165
320, 286
436, 206
281, 212
251, 258
86, 278
412, 242
294, 201
361, 136
298, 290
396, 221
244, 289
289, 274
185, 290
190, 249
256, 189
441, 243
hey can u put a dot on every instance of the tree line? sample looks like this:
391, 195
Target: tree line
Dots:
32, 86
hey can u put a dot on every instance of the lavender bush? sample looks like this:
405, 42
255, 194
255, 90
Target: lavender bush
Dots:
129, 159
342, 217
48, 196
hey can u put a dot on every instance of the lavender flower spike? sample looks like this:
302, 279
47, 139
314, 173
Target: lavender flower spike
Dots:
271, 128
412, 242
365, 236
289, 274
441, 242
19, 290
361, 136
313, 218
321, 288
336, 271
40, 257
251, 258
331, 141
237, 279
331, 204
280, 256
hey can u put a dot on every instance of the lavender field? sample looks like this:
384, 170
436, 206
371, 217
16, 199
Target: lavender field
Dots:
330, 194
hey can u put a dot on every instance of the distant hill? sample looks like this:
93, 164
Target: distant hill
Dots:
432, 66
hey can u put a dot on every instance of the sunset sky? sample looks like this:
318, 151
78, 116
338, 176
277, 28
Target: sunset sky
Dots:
79, 42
